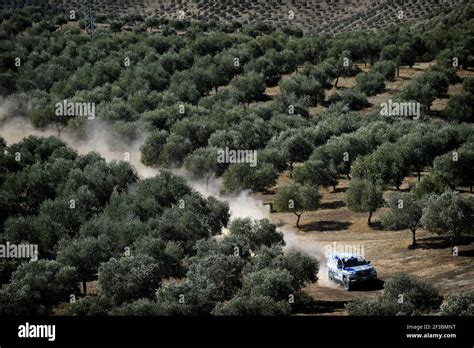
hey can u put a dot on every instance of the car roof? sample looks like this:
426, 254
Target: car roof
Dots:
346, 256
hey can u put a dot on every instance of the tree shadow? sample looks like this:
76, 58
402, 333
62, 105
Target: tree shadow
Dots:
463, 190
331, 205
439, 242
264, 98
377, 226
323, 226
373, 285
408, 188
435, 113
466, 253
270, 204
341, 189
320, 306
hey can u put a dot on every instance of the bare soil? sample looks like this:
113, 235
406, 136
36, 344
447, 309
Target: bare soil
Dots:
389, 251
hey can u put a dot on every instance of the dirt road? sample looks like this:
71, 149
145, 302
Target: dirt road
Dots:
333, 222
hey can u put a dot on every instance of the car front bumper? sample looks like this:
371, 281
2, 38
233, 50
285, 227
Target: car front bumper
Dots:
363, 279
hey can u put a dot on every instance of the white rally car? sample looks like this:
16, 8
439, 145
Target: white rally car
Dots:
350, 269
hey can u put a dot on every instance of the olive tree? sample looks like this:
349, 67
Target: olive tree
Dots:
297, 149
274, 283
256, 305
405, 211
449, 214
297, 199
459, 304
152, 148
85, 255
402, 295
387, 164
370, 83
300, 86
460, 108
257, 233
36, 287
364, 196
454, 169
249, 87
316, 173
241, 176
387, 68
202, 163
354, 99
129, 278
403, 55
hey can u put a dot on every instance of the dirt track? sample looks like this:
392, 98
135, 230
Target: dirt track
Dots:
431, 262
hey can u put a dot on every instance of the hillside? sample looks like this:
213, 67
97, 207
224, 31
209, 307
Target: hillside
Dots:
111, 164
323, 16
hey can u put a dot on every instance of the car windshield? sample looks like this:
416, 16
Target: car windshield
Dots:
352, 262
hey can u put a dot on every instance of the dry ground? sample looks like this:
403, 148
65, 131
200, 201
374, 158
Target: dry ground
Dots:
389, 251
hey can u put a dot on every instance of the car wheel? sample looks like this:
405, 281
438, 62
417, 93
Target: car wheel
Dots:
330, 275
346, 283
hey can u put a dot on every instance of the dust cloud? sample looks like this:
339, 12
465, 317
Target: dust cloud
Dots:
14, 129
244, 205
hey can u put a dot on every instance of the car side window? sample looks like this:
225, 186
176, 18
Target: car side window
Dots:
339, 263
